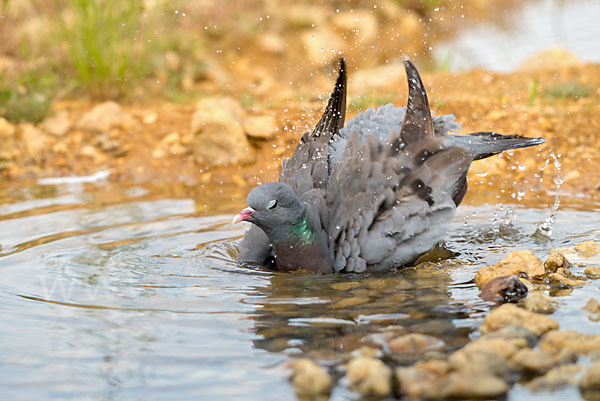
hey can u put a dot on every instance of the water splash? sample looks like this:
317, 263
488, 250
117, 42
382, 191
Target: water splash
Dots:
545, 228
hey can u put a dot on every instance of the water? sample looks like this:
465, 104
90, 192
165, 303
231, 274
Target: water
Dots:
127, 292
502, 45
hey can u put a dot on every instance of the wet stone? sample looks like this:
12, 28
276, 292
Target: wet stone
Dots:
517, 263
591, 378
309, 379
588, 249
479, 358
504, 289
592, 306
345, 286
466, 385
540, 303
582, 344
512, 315
414, 344
564, 281
592, 272
560, 376
532, 361
513, 333
555, 261
369, 376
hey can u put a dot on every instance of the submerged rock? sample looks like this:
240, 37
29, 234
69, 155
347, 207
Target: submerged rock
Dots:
514, 333
555, 261
309, 379
504, 289
540, 303
592, 306
532, 361
517, 263
369, 376
591, 378
218, 137
512, 315
466, 385
592, 272
564, 279
564, 375
587, 249
414, 344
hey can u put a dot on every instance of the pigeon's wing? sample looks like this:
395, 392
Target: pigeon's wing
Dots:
391, 202
308, 167
486, 144
255, 248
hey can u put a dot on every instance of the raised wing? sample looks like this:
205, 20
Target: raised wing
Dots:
308, 167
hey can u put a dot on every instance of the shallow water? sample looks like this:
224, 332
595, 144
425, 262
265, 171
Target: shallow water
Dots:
118, 292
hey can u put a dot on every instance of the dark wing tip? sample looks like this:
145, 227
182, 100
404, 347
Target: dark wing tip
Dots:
334, 116
417, 124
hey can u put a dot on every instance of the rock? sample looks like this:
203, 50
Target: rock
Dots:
369, 377
260, 127
492, 361
360, 27
532, 361
520, 262
58, 124
104, 117
539, 303
36, 141
7, 130
563, 281
309, 379
556, 260
93, 153
588, 249
170, 144
414, 344
345, 286
591, 378
514, 333
466, 385
512, 315
218, 137
592, 272
322, 45
150, 119
504, 289
582, 344
554, 57
414, 382
560, 376
381, 77
592, 306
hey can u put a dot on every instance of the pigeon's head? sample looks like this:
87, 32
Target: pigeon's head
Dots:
271, 205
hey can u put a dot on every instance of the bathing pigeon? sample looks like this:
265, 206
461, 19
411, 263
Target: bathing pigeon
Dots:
371, 196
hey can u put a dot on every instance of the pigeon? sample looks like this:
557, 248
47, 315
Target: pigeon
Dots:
370, 196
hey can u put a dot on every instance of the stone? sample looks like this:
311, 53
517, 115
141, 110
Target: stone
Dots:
150, 119
360, 27
260, 127
588, 249
104, 117
582, 344
540, 303
519, 262
591, 378
512, 315
369, 376
414, 382
514, 333
414, 344
309, 379
322, 45
592, 306
554, 57
480, 359
532, 361
218, 136
93, 153
504, 289
555, 378
170, 144
7, 130
556, 260
36, 141
592, 272
271, 42
563, 281
377, 78
466, 385
58, 124
345, 286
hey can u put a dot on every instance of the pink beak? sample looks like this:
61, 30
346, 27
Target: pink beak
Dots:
244, 214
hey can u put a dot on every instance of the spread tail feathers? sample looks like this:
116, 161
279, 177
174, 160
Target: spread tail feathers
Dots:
485, 144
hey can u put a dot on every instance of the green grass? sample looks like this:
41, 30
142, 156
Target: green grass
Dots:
533, 91
570, 89
27, 97
360, 103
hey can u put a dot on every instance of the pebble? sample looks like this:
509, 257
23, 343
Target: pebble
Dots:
557, 377
58, 124
6, 128
480, 359
592, 272
504, 289
36, 141
519, 262
591, 378
414, 344
104, 117
556, 260
369, 376
587, 249
260, 127
466, 385
592, 306
532, 361
562, 280
582, 344
512, 333
510, 315
540, 303
309, 379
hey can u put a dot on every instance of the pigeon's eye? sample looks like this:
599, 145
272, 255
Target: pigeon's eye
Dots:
272, 204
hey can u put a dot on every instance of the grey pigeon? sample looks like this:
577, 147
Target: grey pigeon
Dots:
370, 196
